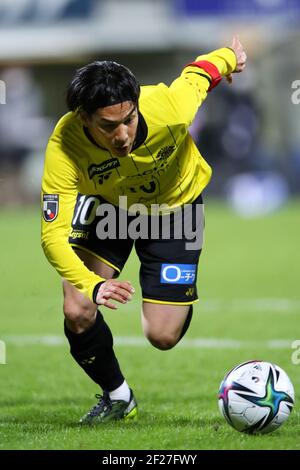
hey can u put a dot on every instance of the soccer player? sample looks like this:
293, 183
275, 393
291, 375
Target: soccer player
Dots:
122, 140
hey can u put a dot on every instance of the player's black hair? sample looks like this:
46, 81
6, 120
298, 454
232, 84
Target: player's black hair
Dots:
101, 84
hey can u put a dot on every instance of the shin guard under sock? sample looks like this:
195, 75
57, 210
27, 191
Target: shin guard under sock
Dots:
93, 351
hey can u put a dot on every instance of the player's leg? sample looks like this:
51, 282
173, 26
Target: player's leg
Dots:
164, 325
80, 312
87, 331
90, 338
91, 345
167, 307
168, 279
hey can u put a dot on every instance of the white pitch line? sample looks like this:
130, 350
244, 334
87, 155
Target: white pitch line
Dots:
140, 341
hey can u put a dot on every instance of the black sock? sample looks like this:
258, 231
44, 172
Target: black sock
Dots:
93, 351
187, 322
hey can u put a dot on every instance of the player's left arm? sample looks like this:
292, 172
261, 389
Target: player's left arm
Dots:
199, 77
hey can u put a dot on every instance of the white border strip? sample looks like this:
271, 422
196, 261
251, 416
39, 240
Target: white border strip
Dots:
139, 341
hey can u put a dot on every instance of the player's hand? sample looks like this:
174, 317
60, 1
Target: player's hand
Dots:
241, 57
114, 290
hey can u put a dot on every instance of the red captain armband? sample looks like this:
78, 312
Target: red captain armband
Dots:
209, 68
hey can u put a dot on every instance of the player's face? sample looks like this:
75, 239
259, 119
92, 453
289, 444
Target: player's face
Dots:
114, 127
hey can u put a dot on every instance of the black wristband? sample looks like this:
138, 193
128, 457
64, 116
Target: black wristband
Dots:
95, 291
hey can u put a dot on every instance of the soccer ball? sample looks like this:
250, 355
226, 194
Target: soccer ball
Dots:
256, 397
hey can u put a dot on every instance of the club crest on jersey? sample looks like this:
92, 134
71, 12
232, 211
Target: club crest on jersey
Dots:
50, 207
165, 152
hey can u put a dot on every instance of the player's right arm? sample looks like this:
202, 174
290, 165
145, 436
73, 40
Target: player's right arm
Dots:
60, 180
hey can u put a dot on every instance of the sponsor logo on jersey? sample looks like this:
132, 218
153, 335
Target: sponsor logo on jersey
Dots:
50, 207
178, 273
79, 234
108, 165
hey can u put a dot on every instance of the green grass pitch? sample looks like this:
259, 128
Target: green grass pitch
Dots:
249, 309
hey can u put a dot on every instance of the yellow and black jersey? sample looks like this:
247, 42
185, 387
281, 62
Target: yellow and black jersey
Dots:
164, 166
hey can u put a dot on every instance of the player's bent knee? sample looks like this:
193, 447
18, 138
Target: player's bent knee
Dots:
75, 310
79, 315
163, 341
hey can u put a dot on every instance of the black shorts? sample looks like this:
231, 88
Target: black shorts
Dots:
169, 261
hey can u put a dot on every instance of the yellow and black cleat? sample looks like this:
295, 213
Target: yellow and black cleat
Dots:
111, 410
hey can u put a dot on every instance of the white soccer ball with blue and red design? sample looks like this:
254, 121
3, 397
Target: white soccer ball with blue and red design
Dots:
256, 397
